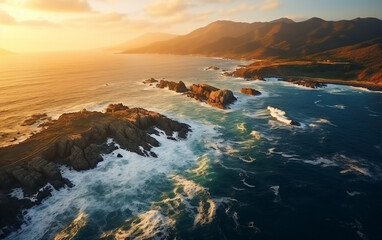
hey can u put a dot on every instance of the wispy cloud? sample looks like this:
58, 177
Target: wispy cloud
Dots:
59, 5
166, 7
7, 20
243, 7
270, 5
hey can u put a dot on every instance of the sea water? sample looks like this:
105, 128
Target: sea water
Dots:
242, 173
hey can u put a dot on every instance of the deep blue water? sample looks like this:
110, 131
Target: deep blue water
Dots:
242, 174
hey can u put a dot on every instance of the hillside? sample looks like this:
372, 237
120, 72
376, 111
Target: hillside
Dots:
141, 41
357, 41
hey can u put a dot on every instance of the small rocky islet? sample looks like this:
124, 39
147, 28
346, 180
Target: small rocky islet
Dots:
220, 98
76, 140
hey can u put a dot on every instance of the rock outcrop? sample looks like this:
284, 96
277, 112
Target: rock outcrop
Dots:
150, 80
179, 87
213, 96
77, 141
202, 92
212, 68
304, 82
250, 91
35, 118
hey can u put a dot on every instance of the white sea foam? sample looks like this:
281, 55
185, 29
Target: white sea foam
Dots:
275, 190
190, 188
71, 230
202, 166
249, 160
255, 134
149, 225
279, 115
338, 106
241, 127
321, 161
325, 121
120, 181
353, 193
247, 184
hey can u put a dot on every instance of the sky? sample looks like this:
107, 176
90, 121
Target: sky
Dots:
60, 25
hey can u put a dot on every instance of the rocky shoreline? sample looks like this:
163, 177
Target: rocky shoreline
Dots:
76, 140
303, 73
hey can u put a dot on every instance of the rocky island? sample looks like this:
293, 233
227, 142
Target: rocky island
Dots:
215, 97
76, 140
250, 91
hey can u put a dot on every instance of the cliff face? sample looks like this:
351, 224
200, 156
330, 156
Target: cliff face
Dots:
75, 140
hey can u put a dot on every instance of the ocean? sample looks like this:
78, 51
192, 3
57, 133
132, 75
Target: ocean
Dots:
243, 173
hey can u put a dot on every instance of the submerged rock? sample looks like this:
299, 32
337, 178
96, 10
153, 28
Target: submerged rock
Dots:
250, 91
212, 68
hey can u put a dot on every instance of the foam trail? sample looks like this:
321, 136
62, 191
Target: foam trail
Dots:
255, 134
247, 184
149, 225
70, 231
241, 127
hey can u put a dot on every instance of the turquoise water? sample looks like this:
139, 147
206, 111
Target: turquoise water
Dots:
241, 174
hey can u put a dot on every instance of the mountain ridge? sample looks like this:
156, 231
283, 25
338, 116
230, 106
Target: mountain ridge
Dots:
283, 39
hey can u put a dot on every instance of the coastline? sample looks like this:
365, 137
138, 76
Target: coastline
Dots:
296, 72
78, 141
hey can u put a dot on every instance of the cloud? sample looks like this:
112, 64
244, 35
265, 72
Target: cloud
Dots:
99, 19
270, 5
217, 1
8, 20
243, 7
166, 7
59, 5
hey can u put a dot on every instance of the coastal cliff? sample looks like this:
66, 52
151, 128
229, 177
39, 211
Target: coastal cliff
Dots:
76, 140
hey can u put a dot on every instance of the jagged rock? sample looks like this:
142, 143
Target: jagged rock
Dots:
29, 179
250, 91
34, 118
76, 140
119, 155
173, 86
107, 148
116, 107
211, 95
304, 82
150, 80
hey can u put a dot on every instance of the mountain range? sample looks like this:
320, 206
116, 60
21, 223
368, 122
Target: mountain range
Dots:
358, 41
141, 41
